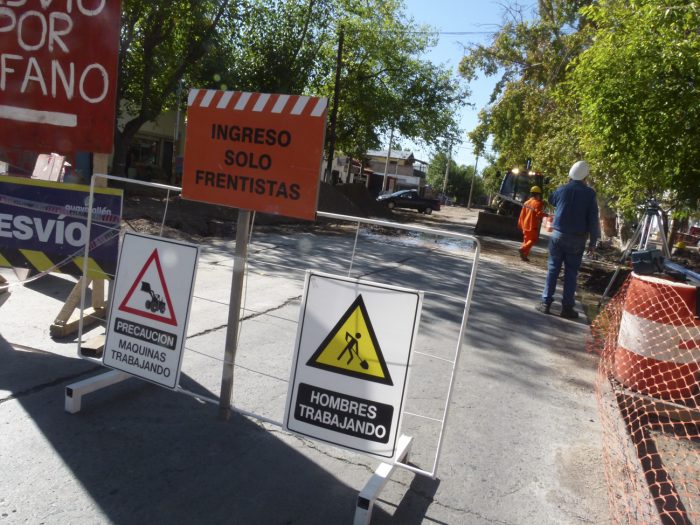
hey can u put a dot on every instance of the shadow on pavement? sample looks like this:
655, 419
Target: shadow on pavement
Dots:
414, 505
52, 286
4, 296
529, 342
138, 453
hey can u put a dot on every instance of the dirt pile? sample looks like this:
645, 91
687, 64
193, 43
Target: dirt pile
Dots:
355, 198
200, 219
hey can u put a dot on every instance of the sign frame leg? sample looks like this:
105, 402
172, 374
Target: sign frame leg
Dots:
370, 492
74, 392
240, 258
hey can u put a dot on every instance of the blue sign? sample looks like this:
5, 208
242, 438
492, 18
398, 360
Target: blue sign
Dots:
43, 226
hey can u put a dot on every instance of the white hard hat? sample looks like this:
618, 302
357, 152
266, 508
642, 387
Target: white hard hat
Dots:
579, 170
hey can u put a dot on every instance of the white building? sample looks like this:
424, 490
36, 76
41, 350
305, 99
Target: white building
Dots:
403, 171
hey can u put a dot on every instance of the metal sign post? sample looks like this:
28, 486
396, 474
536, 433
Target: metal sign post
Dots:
234, 312
252, 151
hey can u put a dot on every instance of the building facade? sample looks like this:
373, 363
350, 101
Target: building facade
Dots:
403, 170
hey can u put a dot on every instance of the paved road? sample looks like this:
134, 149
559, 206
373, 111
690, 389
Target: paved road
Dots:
522, 445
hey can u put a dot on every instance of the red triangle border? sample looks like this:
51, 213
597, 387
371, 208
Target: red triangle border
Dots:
149, 315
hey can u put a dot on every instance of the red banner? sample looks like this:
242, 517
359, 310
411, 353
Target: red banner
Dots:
58, 74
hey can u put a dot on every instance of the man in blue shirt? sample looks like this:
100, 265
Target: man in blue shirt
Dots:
575, 220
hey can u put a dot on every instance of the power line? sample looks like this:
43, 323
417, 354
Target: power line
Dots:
446, 33
420, 31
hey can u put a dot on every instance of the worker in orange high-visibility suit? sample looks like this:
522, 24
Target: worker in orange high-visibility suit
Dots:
529, 221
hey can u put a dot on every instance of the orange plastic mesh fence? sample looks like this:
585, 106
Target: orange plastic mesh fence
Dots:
648, 388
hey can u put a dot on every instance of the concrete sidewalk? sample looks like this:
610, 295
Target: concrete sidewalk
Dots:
522, 444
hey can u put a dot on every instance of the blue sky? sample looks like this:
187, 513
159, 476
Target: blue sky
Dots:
480, 18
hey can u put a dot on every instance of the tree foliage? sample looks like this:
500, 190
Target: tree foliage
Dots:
274, 46
525, 117
161, 42
459, 180
288, 47
637, 87
614, 82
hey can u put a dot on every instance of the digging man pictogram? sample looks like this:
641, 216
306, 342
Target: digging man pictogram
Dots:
353, 349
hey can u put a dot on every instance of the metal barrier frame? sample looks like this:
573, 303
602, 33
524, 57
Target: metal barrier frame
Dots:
371, 491
91, 205
463, 326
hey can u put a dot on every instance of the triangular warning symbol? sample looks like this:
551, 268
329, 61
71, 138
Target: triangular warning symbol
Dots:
153, 299
351, 348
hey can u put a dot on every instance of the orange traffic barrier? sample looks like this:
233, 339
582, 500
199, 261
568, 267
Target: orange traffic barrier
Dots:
658, 345
648, 341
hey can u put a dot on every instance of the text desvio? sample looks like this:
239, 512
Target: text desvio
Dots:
56, 231
37, 50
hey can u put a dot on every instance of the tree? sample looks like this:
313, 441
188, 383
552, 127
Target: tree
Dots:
528, 116
289, 47
614, 82
274, 47
491, 177
459, 180
161, 42
385, 85
637, 89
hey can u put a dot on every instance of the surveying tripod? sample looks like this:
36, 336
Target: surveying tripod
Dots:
640, 239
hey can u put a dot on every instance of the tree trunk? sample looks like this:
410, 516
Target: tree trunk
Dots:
624, 230
608, 221
122, 143
677, 226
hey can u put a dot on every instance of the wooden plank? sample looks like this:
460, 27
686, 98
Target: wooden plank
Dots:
67, 321
91, 316
93, 347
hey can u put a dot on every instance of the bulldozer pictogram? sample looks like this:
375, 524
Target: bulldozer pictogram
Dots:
155, 303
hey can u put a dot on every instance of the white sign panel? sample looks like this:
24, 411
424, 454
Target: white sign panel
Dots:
150, 308
351, 362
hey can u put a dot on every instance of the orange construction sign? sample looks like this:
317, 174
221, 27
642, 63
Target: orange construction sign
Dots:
255, 151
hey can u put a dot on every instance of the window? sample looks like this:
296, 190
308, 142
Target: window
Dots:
145, 152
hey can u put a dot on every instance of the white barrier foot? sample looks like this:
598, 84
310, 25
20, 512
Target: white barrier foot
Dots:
76, 391
371, 491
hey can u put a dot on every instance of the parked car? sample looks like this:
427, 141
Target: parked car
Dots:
409, 199
445, 200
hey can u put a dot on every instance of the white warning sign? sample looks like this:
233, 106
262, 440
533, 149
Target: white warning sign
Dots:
150, 308
351, 362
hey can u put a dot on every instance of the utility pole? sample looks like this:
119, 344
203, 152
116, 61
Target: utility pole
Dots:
176, 135
386, 164
334, 111
471, 188
447, 168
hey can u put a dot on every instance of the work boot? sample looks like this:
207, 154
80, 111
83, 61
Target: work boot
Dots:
523, 256
568, 312
542, 307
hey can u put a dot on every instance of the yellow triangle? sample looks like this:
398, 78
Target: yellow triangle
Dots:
351, 348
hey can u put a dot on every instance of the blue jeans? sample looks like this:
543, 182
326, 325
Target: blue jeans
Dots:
568, 250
